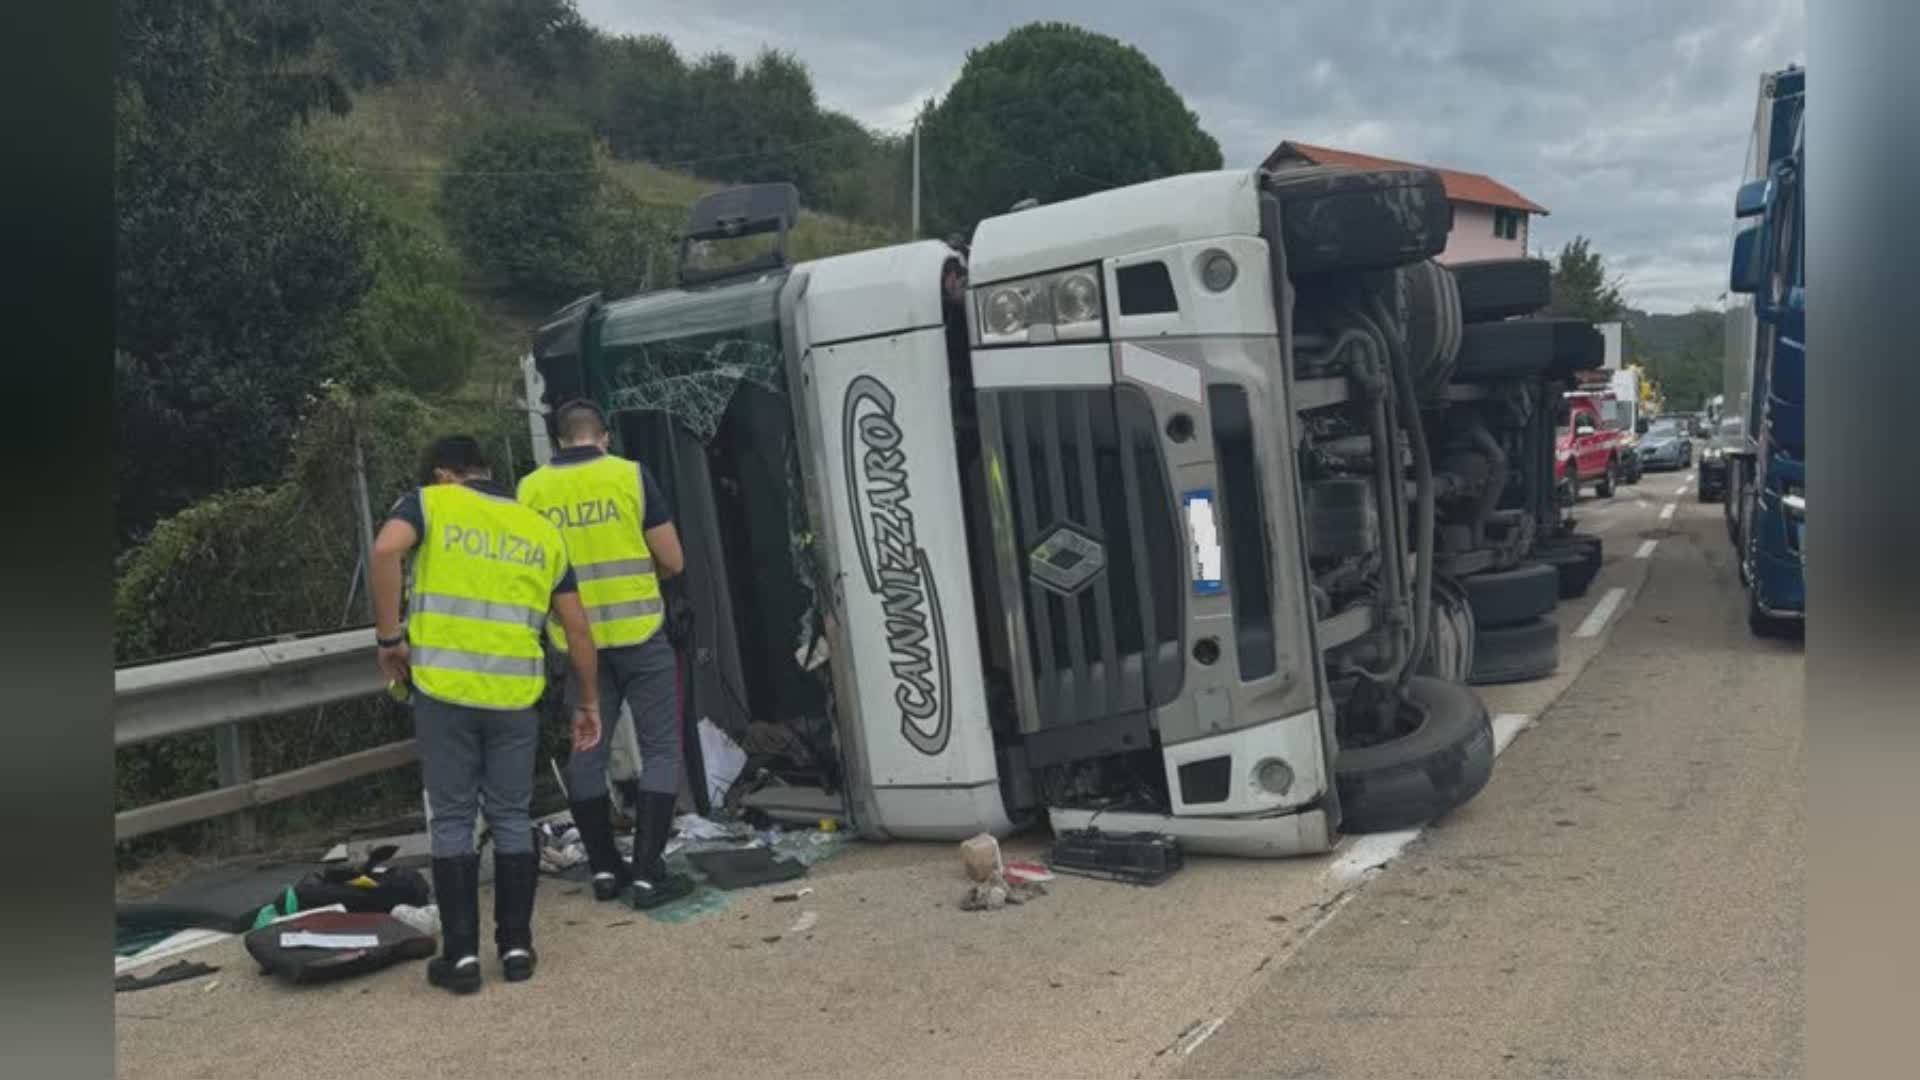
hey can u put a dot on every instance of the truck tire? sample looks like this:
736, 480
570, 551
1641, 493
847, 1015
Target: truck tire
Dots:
1528, 348
1444, 761
1430, 310
1506, 597
1334, 219
1604, 488
1449, 652
1764, 625
1495, 289
1518, 653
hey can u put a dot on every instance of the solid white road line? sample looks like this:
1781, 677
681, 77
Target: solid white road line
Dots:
1364, 854
1666, 512
1646, 549
1596, 619
1505, 727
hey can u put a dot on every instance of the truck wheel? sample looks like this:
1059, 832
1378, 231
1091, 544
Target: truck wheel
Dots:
1335, 219
1528, 348
1449, 654
1576, 577
1518, 653
1430, 311
1764, 625
1604, 488
1442, 762
1506, 597
1495, 289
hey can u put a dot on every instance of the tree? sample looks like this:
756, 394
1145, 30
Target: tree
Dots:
239, 257
519, 203
1581, 288
1053, 112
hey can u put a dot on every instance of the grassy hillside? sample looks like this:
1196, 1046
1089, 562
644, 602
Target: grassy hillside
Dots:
399, 141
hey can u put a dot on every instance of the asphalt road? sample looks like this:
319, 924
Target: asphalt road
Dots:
1622, 899
1625, 898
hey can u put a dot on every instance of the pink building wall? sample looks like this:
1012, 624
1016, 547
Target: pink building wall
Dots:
1472, 237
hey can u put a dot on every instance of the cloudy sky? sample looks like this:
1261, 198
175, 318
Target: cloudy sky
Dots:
1627, 119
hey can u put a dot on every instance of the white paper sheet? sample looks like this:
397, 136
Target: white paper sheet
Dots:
307, 939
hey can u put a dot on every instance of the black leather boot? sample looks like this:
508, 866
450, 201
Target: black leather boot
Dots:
652, 884
515, 879
456, 889
611, 874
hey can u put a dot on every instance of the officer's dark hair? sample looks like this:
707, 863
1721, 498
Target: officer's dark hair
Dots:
458, 454
579, 421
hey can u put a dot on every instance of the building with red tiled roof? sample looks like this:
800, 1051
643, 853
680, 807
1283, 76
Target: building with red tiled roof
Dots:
1490, 219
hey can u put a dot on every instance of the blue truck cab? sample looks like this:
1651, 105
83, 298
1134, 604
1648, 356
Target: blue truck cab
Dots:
1767, 472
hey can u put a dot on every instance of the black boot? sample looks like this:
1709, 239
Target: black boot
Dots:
652, 884
456, 889
515, 878
611, 874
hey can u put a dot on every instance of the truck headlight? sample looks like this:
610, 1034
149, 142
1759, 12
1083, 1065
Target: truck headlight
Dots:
1068, 305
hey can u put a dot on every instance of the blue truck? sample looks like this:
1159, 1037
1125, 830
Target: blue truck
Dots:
1766, 361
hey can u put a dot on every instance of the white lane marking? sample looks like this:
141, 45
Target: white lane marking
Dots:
1666, 512
1643, 504
1596, 619
1368, 853
1646, 549
1679, 491
1192, 1040
1364, 854
1505, 727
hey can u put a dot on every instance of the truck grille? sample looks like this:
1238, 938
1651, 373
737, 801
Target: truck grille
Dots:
1097, 532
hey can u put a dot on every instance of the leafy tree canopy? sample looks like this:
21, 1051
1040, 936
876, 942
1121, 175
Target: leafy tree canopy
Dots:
1053, 112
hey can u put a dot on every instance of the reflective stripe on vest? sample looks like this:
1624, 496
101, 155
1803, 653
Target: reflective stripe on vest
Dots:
483, 578
600, 508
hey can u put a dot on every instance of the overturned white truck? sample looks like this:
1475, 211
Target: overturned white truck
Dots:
1169, 519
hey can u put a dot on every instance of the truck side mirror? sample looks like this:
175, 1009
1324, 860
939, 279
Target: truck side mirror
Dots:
1751, 199
1744, 278
1640, 426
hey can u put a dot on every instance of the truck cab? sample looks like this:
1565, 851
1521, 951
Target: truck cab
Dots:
1133, 530
1766, 471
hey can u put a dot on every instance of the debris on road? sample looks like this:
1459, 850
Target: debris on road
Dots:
790, 897
178, 971
981, 856
807, 921
1134, 858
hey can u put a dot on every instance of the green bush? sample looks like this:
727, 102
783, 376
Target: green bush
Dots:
519, 203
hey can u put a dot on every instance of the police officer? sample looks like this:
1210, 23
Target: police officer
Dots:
621, 538
486, 573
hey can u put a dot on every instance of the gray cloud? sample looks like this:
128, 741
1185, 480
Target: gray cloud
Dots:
1626, 118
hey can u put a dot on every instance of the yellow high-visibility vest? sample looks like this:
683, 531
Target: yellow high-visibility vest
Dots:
483, 580
599, 507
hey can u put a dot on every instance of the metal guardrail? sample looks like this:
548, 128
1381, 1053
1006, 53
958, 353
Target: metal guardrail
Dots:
225, 691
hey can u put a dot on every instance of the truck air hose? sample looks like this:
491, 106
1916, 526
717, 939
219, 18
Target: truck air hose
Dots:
1423, 492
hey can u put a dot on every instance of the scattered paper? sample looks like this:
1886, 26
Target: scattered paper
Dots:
307, 939
807, 921
724, 759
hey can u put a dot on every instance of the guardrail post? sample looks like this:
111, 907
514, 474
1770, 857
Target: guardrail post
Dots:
233, 755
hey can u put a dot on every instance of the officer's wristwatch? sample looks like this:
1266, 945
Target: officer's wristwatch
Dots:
388, 643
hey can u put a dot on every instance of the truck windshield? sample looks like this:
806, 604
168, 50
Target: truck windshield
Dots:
684, 353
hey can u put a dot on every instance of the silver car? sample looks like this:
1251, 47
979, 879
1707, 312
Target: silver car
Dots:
1666, 444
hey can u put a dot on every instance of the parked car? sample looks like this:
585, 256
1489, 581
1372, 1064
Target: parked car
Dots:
1590, 449
1713, 460
1667, 444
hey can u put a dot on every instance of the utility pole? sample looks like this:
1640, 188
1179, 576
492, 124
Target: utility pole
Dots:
916, 179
